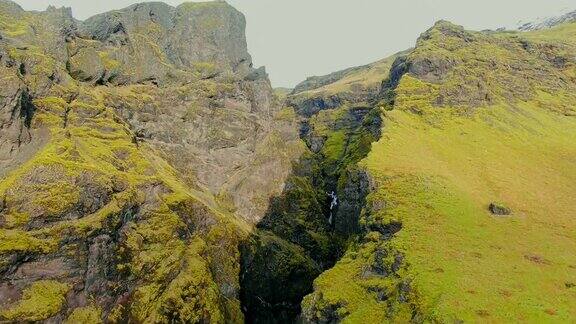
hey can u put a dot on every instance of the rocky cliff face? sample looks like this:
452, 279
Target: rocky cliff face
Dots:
137, 148
156, 42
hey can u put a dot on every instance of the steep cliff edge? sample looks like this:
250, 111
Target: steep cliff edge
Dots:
137, 150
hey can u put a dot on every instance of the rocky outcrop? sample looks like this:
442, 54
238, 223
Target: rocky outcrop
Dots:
85, 65
18, 141
154, 41
449, 55
16, 113
308, 107
353, 191
499, 209
137, 150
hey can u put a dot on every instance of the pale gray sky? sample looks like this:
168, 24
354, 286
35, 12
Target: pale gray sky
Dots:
299, 38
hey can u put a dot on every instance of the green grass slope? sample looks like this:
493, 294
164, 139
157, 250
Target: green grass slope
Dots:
364, 78
478, 118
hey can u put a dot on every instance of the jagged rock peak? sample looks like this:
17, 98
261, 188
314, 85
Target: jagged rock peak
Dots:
63, 10
191, 32
446, 28
10, 9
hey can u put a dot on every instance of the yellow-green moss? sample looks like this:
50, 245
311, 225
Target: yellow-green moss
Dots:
85, 315
110, 64
14, 27
438, 181
115, 315
15, 218
366, 78
54, 105
41, 300
286, 114
55, 198
205, 68
334, 146
22, 241
191, 296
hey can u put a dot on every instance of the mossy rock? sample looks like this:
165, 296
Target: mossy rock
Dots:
499, 209
268, 263
41, 300
86, 65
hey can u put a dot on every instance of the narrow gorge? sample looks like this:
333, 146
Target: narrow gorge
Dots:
307, 228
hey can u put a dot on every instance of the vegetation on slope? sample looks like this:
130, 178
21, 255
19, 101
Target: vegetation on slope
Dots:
366, 77
438, 181
356, 86
302, 234
475, 119
92, 182
105, 214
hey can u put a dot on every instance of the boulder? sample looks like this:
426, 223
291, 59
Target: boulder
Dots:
499, 209
86, 65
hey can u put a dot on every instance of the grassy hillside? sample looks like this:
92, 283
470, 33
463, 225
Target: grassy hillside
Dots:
478, 118
439, 180
357, 86
363, 78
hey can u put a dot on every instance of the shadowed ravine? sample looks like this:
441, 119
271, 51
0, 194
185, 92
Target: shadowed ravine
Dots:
303, 232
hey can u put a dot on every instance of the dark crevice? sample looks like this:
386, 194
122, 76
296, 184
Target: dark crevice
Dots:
27, 109
306, 228
387, 230
22, 69
65, 116
304, 233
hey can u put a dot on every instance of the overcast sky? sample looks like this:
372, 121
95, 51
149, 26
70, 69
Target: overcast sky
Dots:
295, 39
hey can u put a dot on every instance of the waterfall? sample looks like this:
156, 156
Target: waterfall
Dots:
333, 204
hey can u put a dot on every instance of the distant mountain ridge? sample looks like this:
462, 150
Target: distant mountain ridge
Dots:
549, 22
